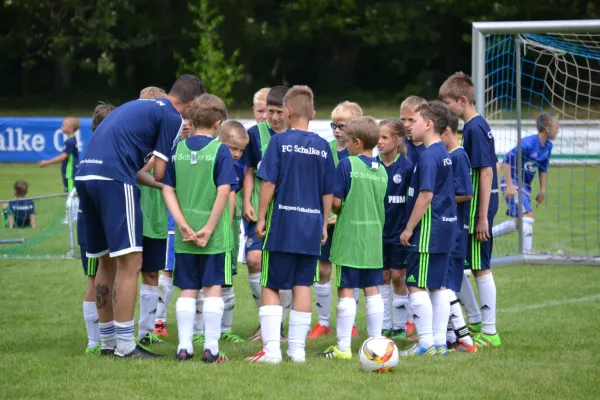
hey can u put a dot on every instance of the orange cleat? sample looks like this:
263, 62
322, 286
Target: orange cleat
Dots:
411, 332
355, 333
318, 331
160, 329
461, 346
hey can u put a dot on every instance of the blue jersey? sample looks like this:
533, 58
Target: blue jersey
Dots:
343, 154
478, 142
252, 155
21, 210
461, 168
80, 227
399, 175
437, 228
535, 156
413, 152
68, 165
239, 173
301, 166
121, 144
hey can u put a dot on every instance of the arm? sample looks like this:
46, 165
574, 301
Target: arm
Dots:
144, 178
542, 195
462, 199
231, 206
510, 186
149, 165
336, 205
173, 205
11, 221
249, 212
485, 191
204, 234
421, 205
160, 166
327, 200
32, 221
58, 159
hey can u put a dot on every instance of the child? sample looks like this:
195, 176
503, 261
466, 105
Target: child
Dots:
458, 92
259, 105
458, 333
196, 190
69, 157
21, 211
407, 109
297, 173
340, 116
359, 196
536, 151
260, 135
399, 172
432, 210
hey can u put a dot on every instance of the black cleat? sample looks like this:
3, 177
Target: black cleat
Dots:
209, 357
107, 352
151, 339
183, 355
138, 352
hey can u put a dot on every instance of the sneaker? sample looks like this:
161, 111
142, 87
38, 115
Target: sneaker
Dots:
138, 352
441, 350
151, 339
318, 331
461, 346
209, 357
398, 334
334, 352
416, 350
93, 350
230, 337
355, 333
160, 329
486, 340
282, 337
256, 336
410, 329
198, 339
183, 355
386, 332
262, 357
474, 328
107, 352
295, 359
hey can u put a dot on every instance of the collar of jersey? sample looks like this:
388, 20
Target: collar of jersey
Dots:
476, 115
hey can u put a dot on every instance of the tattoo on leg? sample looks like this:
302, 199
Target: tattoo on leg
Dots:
101, 295
114, 294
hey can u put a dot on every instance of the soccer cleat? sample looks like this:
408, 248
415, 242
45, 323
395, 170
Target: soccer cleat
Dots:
486, 340
209, 357
386, 332
318, 331
183, 355
474, 328
256, 336
231, 337
262, 357
282, 337
416, 350
355, 333
138, 352
441, 350
198, 339
461, 346
398, 334
334, 352
160, 329
151, 339
411, 332
93, 350
295, 359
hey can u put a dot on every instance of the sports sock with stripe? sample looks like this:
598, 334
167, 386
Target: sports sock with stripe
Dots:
270, 326
423, 316
228, 296
487, 298
124, 333
467, 298
441, 313
399, 311
90, 316
297, 331
185, 309
504, 228
165, 290
346, 313
386, 297
108, 338
148, 304
254, 282
457, 321
375, 310
199, 317
323, 300
213, 314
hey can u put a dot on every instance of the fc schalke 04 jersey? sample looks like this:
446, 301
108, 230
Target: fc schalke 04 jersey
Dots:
461, 168
399, 175
535, 157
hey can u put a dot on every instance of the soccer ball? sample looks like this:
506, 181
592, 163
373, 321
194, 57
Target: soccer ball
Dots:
378, 354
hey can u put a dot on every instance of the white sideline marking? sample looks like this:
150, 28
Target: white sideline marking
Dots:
550, 303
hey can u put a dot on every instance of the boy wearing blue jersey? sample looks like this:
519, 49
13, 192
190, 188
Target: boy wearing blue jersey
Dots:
196, 190
432, 210
408, 108
536, 152
458, 92
458, 334
21, 212
259, 105
69, 156
296, 191
399, 171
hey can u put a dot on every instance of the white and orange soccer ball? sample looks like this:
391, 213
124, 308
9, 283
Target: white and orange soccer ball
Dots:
378, 354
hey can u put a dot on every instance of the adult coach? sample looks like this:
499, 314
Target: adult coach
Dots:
110, 201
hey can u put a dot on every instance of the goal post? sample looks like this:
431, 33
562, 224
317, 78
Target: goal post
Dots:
521, 69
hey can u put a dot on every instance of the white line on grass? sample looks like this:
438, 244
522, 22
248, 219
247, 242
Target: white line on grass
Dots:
550, 303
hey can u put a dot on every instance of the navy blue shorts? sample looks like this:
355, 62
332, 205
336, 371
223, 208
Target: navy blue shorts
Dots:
89, 264
282, 271
479, 254
358, 278
253, 242
427, 270
326, 248
113, 217
513, 204
456, 271
170, 253
154, 255
394, 256
193, 271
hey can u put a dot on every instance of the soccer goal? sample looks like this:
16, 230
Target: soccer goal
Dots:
521, 69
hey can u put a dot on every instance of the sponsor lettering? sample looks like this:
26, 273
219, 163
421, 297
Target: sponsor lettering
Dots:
299, 209
451, 219
396, 199
362, 175
311, 151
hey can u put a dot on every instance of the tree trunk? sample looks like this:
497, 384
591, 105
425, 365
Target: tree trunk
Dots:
62, 75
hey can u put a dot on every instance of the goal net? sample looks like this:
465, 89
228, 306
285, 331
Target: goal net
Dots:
521, 72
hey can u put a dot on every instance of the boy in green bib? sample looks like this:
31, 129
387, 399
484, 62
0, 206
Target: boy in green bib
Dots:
358, 199
196, 190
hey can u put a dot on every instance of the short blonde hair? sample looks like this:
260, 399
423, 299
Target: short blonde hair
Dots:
261, 96
231, 129
206, 110
152, 92
411, 103
364, 129
346, 110
73, 122
458, 85
300, 101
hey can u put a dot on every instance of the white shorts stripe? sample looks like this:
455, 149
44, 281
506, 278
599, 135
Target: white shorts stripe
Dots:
132, 199
128, 210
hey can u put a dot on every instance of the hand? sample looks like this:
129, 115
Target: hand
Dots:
43, 163
188, 233
405, 237
202, 237
540, 198
510, 192
249, 213
324, 236
332, 220
261, 229
482, 230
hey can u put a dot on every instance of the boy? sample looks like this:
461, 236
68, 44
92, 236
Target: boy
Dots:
359, 195
340, 116
21, 212
69, 157
458, 92
536, 151
407, 109
297, 174
196, 191
463, 191
432, 210
260, 135
259, 107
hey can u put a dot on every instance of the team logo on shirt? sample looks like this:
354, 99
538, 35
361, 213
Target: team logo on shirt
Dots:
531, 167
534, 155
397, 178
490, 135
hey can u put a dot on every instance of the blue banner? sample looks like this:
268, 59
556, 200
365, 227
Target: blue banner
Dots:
37, 139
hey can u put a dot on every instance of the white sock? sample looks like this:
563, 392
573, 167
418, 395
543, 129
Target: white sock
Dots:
165, 290
108, 338
399, 309
423, 312
90, 316
323, 300
199, 317
228, 296
487, 298
386, 296
457, 321
270, 326
124, 333
450, 334
467, 298
346, 313
409, 311
185, 309
285, 299
356, 295
254, 281
527, 234
297, 331
375, 311
213, 314
504, 228
148, 303
441, 313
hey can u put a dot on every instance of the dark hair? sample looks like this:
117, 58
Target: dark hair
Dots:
398, 128
437, 112
100, 112
21, 187
276, 95
453, 122
187, 87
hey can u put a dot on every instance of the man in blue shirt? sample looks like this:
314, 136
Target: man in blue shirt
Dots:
110, 200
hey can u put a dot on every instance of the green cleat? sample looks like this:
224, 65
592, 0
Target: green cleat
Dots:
199, 339
231, 337
334, 352
474, 329
398, 334
486, 340
386, 332
92, 351
150, 339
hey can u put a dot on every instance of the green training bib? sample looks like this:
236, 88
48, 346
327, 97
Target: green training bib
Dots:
154, 210
265, 138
